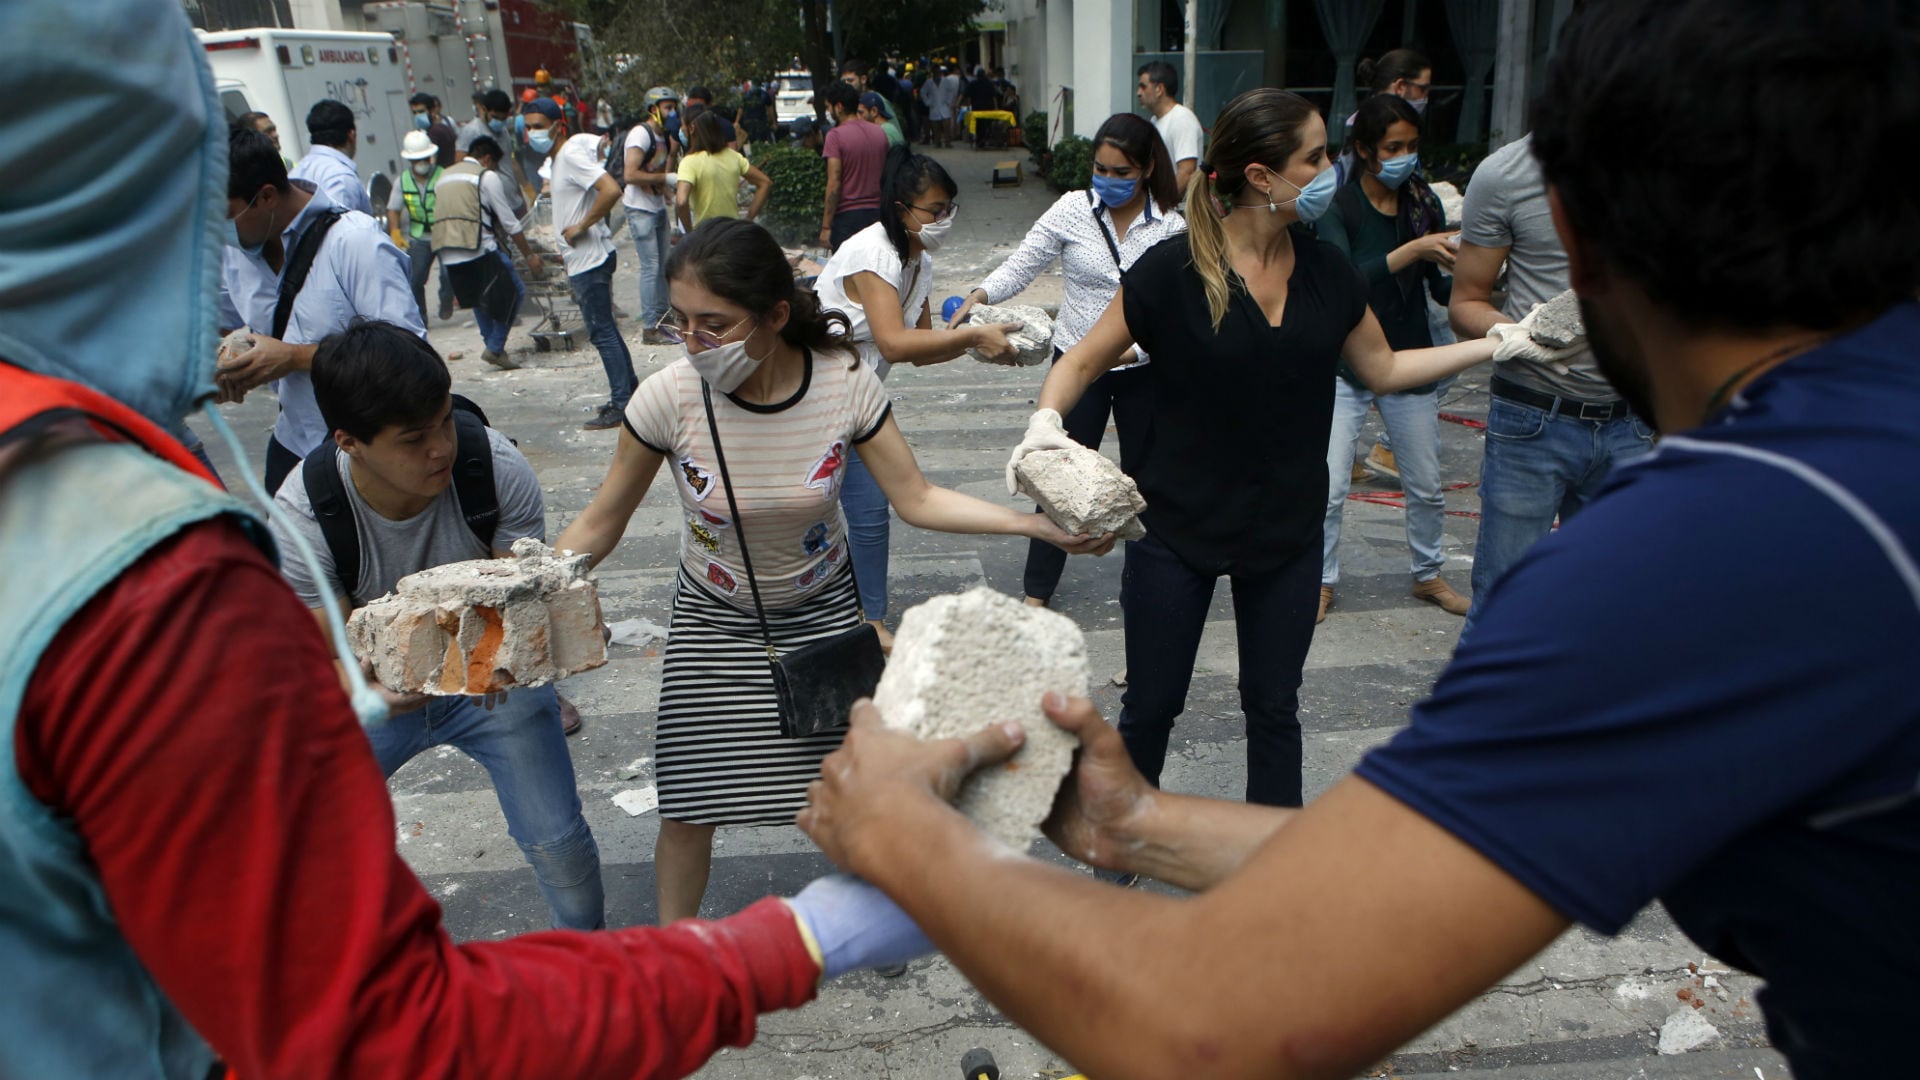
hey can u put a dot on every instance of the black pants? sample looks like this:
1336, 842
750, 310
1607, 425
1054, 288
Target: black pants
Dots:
1163, 605
848, 222
1116, 393
280, 462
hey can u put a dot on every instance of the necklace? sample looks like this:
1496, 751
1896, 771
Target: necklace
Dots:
1784, 352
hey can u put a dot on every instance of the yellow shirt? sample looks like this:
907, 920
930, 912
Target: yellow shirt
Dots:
716, 183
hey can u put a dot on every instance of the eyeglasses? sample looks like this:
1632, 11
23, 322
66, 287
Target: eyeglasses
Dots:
938, 215
678, 334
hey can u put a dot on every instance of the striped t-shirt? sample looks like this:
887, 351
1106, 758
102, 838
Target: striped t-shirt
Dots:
787, 461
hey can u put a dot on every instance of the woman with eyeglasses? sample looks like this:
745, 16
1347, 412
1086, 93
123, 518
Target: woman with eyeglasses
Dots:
1247, 315
880, 280
794, 408
1096, 234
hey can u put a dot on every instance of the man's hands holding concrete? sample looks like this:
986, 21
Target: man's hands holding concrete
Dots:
879, 777
1045, 431
269, 359
1104, 794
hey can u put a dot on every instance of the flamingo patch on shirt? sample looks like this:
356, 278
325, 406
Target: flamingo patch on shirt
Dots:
722, 578
825, 474
699, 480
712, 520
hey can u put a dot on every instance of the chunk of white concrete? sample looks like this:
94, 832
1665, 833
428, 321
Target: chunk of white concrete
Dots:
1451, 202
1082, 491
484, 626
1685, 1029
964, 662
1032, 342
1557, 323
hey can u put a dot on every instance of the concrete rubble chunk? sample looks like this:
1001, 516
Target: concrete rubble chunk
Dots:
1033, 341
1451, 202
1684, 1030
1083, 491
966, 661
233, 345
484, 626
1557, 323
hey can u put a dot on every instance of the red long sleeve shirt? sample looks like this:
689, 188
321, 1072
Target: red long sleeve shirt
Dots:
190, 724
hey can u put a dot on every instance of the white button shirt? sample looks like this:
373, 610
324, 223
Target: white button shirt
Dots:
333, 173
1068, 231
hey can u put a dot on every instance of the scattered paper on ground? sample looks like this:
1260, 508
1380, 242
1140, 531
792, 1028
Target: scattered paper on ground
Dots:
637, 801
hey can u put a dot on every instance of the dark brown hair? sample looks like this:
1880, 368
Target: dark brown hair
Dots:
1260, 127
1141, 142
742, 263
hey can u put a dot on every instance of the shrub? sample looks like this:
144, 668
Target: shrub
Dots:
1072, 166
799, 192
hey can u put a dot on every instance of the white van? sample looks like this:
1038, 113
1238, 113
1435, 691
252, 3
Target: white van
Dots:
284, 72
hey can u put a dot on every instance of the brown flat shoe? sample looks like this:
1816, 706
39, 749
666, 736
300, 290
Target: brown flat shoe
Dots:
1326, 601
569, 716
1437, 591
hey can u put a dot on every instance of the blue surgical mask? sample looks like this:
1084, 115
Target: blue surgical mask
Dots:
541, 139
1420, 107
422, 121
498, 127
1313, 199
1394, 171
1114, 191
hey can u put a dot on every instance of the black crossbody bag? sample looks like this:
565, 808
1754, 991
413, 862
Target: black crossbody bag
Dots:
817, 683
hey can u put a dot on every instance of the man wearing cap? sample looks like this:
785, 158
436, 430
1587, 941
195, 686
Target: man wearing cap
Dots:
583, 196
648, 173
856, 154
875, 110
334, 135
410, 218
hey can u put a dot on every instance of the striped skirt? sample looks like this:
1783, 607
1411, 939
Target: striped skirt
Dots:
719, 756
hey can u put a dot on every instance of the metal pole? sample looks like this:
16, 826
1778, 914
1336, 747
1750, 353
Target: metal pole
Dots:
1193, 51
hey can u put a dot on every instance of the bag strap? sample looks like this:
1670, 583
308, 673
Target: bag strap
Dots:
294, 276
327, 493
1100, 223
473, 472
739, 526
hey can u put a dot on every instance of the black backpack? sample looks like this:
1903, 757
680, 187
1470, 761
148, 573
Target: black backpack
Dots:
472, 486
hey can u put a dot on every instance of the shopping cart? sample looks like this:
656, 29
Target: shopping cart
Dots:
561, 325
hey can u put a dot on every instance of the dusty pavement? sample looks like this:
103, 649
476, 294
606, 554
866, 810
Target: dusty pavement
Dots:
1588, 1008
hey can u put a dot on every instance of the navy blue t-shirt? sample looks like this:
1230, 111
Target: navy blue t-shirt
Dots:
1702, 691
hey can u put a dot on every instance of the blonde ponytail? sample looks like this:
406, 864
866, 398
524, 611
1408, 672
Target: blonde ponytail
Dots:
1207, 240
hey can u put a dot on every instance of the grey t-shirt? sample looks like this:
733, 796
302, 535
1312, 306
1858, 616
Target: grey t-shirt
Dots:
1506, 207
390, 550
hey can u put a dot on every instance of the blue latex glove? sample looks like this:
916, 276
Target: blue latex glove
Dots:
856, 926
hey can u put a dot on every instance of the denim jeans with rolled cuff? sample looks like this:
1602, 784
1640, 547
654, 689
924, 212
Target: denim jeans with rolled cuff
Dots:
593, 289
520, 744
493, 332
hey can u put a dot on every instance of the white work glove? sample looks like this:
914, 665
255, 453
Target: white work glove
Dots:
1045, 431
856, 926
1516, 343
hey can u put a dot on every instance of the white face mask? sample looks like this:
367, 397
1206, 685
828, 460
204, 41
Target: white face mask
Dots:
423, 168
933, 235
726, 366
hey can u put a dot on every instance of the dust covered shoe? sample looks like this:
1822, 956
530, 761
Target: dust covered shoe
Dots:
607, 417
1326, 601
1381, 461
500, 360
1360, 475
1437, 591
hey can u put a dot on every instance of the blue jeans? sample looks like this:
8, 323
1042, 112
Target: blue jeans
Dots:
1413, 421
1539, 465
1163, 606
520, 744
868, 529
493, 333
594, 292
652, 236
419, 265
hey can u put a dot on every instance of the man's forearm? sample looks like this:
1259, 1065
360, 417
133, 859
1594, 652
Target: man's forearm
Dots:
831, 206
1187, 841
1471, 318
602, 206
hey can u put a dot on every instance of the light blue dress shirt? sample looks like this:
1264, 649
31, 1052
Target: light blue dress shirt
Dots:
335, 175
357, 272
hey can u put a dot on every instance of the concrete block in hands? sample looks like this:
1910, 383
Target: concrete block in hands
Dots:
1033, 341
964, 662
484, 626
1083, 492
1557, 323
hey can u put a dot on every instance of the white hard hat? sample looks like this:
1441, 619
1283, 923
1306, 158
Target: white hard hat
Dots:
417, 145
